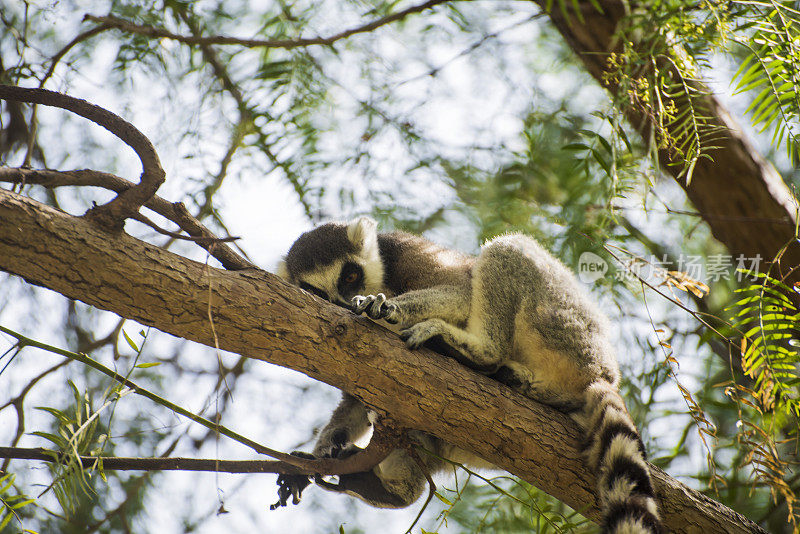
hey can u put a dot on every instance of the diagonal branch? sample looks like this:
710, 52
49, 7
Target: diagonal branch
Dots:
259, 316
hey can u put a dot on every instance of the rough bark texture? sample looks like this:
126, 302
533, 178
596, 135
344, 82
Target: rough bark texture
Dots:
739, 195
257, 315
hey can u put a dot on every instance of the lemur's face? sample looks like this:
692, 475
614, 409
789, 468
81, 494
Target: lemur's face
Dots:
336, 262
338, 283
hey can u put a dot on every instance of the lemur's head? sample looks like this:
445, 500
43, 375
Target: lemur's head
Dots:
336, 261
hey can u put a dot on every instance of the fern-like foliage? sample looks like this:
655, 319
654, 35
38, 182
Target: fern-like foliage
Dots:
667, 45
769, 408
77, 434
664, 47
560, 188
11, 502
772, 67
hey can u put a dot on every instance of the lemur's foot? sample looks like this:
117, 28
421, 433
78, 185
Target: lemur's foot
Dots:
292, 485
376, 307
419, 333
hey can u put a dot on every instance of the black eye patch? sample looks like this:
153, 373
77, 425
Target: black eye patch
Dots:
311, 289
351, 279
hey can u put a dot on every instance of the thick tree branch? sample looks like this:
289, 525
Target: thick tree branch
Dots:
740, 196
257, 315
173, 211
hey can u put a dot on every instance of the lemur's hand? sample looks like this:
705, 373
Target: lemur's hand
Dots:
376, 307
292, 485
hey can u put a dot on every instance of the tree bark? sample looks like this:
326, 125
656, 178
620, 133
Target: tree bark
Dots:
257, 315
741, 197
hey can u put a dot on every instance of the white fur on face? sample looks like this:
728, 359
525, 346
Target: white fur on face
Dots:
325, 279
373, 273
363, 233
283, 271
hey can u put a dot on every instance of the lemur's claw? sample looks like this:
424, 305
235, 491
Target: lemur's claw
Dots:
416, 335
405, 335
292, 485
412, 341
375, 306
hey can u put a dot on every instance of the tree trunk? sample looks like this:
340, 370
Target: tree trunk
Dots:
739, 195
257, 315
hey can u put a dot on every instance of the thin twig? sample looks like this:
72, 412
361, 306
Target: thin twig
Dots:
117, 463
197, 239
150, 31
375, 452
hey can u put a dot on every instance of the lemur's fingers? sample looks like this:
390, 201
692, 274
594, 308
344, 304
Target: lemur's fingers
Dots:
360, 303
376, 310
391, 312
376, 307
290, 486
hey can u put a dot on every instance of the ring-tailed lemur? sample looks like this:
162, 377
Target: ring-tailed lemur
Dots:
513, 312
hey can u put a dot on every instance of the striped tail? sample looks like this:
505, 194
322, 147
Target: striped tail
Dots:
615, 452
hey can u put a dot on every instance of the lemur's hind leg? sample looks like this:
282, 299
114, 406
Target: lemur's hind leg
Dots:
473, 350
394, 483
521, 379
440, 312
482, 345
399, 479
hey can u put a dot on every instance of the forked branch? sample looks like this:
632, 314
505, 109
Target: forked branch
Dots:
129, 201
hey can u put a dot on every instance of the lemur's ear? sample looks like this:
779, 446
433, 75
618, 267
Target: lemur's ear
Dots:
363, 233
282, 271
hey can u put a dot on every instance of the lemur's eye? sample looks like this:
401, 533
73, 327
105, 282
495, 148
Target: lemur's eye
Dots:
350, 279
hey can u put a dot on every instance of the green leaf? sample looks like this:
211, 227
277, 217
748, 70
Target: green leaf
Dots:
147, 365
6, 520
443, 498
60, 442
8, 485
131, 344
22, 503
